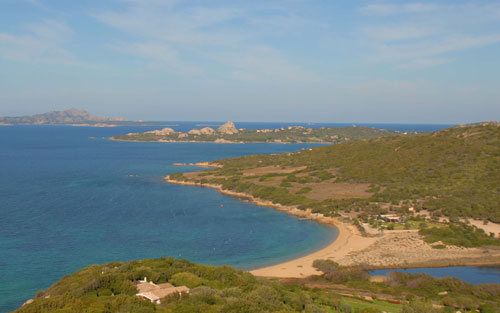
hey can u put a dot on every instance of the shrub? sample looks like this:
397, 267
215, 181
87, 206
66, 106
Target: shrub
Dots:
187, 279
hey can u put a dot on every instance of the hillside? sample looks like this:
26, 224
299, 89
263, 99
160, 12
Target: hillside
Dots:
228, 133
112, 288
71, 116
453, 172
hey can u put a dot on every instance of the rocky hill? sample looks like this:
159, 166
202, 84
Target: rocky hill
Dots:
228, 133
453, 172
71, 116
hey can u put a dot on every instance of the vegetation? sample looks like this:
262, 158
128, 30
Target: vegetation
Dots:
458, 234
110, 288
293, 134
453, 172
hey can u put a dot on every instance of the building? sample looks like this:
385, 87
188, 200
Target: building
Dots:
155, 293
391, 218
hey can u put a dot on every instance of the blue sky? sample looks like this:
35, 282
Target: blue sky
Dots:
288, 60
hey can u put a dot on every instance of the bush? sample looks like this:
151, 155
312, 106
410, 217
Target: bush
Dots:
419, 307
187, 279
326, 266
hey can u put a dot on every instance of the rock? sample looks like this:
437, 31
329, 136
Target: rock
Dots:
183, 135
194, 132
207, 131
28, 302
228, 129
163, 132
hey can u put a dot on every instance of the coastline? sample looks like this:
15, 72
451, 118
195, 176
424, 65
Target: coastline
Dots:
393, 250
302, 266
221, 141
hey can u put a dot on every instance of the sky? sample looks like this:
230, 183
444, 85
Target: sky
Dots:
287, 60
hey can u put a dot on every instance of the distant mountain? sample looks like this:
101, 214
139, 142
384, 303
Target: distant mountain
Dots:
71, 116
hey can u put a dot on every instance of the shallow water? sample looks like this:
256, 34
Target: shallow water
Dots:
68, 201
470, 274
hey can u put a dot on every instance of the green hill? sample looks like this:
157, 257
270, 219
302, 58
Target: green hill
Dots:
292, 134
455, 172
110, 288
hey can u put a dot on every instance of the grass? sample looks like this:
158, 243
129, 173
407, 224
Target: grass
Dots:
377, 304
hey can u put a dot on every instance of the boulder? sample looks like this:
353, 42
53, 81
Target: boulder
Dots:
228, 129
163, 132
207, 131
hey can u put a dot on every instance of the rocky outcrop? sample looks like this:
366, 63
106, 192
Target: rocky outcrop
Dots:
163, 132
207, 131
194, 132
228, 129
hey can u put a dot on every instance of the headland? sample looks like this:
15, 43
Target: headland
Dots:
351, 248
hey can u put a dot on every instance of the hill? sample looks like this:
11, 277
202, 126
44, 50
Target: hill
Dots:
228, 133
453, 172
71, 116
112, 288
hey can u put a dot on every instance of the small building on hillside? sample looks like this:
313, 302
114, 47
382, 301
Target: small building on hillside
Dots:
155, 293
390, 218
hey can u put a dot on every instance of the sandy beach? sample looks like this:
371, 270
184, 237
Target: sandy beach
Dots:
393, 249
348, 241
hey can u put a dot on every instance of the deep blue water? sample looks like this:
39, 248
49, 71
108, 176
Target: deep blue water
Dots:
67, 201
471, 274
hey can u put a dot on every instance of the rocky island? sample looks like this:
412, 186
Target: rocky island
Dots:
73, 117
228, 133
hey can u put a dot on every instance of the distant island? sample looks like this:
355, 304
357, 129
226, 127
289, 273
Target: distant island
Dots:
228, 133
73, 117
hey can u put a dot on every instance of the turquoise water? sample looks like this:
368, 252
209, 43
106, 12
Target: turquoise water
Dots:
68, 201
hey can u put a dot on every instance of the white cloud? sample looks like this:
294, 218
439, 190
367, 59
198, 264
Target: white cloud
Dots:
158, 55
397, 32
265, 64
42, 44
424, 63
189, 36
418, 36
34, 2
431, 48
389, 9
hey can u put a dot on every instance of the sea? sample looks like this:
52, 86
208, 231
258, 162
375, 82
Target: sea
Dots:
70, 197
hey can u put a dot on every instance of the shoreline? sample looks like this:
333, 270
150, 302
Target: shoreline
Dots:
219, 142
349, 244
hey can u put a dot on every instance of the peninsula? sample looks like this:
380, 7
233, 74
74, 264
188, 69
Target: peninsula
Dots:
228, 133
428, 200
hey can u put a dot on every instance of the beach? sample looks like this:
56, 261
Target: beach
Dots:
392, 249
348, 241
